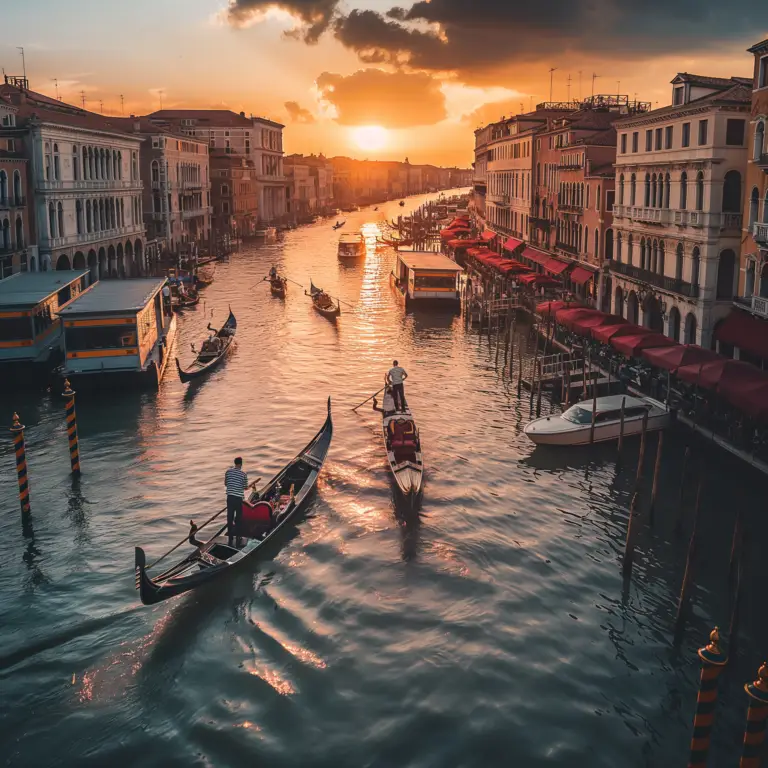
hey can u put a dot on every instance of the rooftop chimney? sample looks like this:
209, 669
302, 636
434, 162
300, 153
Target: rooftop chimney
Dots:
242, 114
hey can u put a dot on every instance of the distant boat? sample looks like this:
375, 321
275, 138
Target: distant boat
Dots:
339, 224
351, 245
402, 203
267, 234
211, 353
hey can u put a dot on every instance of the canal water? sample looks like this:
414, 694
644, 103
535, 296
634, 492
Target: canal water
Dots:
492, 628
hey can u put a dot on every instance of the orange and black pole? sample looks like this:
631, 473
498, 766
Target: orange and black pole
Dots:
712, 662
754, 735
74, 445
20, 448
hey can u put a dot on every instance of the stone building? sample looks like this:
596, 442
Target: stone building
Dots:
234, 198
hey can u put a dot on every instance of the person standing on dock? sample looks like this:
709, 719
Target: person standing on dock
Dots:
395, 378
236, 481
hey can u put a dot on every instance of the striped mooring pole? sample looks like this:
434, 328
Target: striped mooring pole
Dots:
20, 447
74, 447
754, 735
712, 662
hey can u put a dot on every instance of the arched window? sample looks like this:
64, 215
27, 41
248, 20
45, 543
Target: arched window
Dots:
119, 164
597, 198
654, 257
597, 243
618, 302
732, 192
765, 208
51, 220
75, 163
700, 191
642, 253
587, 196
621, 189
88, 219
56, 163
667, 190
84, 155
114, 163
19, 232
60, 217
6, 241
47, 162
690, 328
3, 187
754, 205
618, 247
695, 264
18, 193
726, 269
661, 258
538, 173
79, 217
586, 239
674, 324
759, 141
683, 191
647, 197
632, 189
679, 262
653, 191
630, 245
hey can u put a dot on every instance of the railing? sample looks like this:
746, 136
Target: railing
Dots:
570, 208
672, 284
760, 305
539, 222
762, 161
760, 233
13, 202
572, 249
648, 214
570, 166
191, 214
91, 184
498, 199
92, 237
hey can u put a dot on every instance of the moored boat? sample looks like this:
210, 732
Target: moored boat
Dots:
212, 351
266, 514
339, 224
351, 245
574, 426
268, 234
403, 446
204, 276
323, 302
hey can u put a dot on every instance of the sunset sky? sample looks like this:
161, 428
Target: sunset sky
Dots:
423, 75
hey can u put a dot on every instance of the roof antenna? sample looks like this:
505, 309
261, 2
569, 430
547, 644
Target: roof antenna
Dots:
23, 61
82, 98
122, 105
553, 69
56, 83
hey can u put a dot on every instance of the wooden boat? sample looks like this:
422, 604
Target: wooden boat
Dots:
266, 514
574, 426
339, 224
403, 445
212, 352
278, 287
322, 302
351, 245
204, 277
183, 297
395, 242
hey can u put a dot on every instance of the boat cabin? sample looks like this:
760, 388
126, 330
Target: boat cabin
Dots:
351, 245
425, 277
118, 327
30, 331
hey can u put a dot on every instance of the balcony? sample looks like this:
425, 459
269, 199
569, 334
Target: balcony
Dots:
570, 166
13, 202
87, 238
91, 185
570, 208
539, 223
762, 162
669, 217
195, 212
502, 200
760, 233
571, 249
646, 277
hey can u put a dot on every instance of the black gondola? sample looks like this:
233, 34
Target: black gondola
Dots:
339, 224
282, 498
278, 286
212, 352
323, 302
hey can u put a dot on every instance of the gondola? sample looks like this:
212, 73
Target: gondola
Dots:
204, 277
278, 286
339, 224
182, 298
403, 446
395, 242
322, 302
266, 514
210, 355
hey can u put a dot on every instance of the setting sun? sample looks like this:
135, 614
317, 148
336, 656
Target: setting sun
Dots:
370, 137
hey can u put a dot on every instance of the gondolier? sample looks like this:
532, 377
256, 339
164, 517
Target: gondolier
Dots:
236, 481
396, 376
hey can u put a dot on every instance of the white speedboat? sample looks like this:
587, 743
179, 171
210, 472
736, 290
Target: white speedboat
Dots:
351, 245
574, 426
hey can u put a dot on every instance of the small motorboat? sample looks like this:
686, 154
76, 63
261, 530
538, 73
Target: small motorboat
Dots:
351, 245
266, 514
212, 351
278, 286
323, 302
403, 445
574, 426
339, 224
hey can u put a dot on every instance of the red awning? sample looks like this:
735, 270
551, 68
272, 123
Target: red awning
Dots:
464, 243
488, 235
534, 254
567, 317
510, 265
449, 234
631, 346
706, 374
745, 332
745, 387
512, 243
555, 306
579, 275
671, 358
605, 333
555, 266
606, 321
540, 280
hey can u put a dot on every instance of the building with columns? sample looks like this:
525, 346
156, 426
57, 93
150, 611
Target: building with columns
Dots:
678, 218
84, 178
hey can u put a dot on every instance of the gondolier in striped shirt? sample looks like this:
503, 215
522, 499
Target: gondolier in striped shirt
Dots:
236, 481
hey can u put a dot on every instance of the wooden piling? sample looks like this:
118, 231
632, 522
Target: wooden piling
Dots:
535, 361
512, 341
754, 734
629, 544
713, 661
20, 448
538, 393
641, 457
519, 369
498, 342
621, 427
689, 561
71, 415
594, 413
679, 521
656, 471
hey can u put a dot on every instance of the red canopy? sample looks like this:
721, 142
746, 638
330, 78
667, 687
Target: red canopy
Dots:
568, 317
449, 234
605, 333
745, 387
511, 243
579, 275
541, 280
555, 266
671, 358
465, 243
536, 255
555, 306
459, 221
488, 235
745, 332
706, 374
631, 346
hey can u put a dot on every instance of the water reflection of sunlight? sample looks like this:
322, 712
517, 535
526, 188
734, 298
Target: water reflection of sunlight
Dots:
272, 678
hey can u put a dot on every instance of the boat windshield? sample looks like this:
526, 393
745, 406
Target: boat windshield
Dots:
578, 415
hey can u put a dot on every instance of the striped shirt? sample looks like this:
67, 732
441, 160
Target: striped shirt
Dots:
236, 481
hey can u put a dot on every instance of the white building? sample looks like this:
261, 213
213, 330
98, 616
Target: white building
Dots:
678, 212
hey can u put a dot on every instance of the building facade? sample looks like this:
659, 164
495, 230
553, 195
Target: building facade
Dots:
177, 187
300, 191
678, 213
18, 252
478, 201
234, 198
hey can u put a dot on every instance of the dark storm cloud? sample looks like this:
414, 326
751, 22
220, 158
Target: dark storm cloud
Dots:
374, 97
297, 113
315, 15
468, 37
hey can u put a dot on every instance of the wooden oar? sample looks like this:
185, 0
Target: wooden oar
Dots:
256, 285
294, 282
370, 398
186, 538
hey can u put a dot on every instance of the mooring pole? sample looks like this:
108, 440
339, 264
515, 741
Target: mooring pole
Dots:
519, 369
621, 427
754, 735
679, 521
74, 446
656, 472
689, 561
20, 448
713, 660
641, 457
629, 544
538, 393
